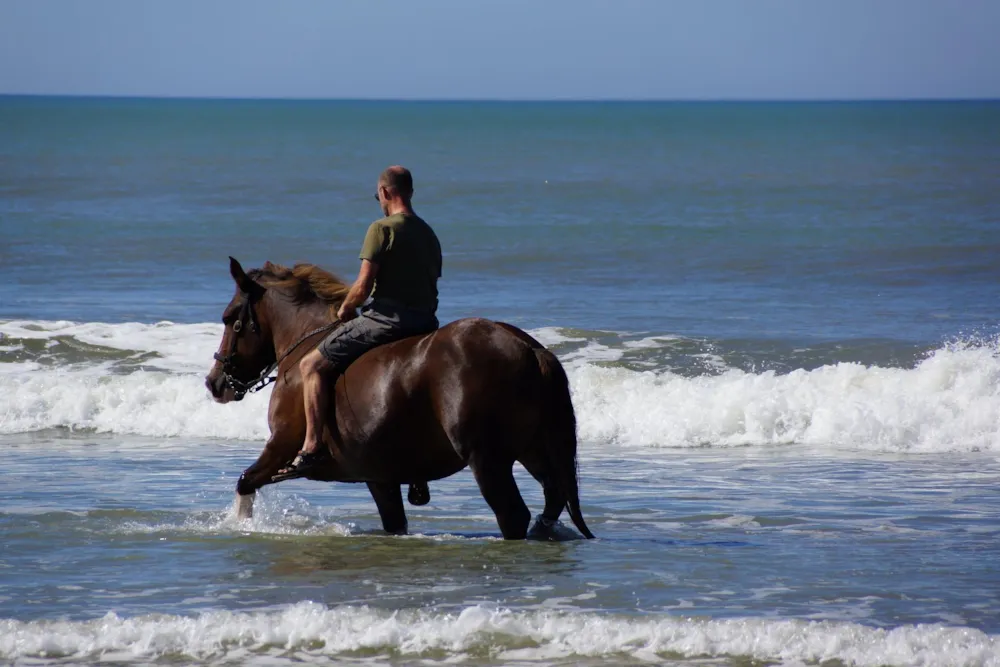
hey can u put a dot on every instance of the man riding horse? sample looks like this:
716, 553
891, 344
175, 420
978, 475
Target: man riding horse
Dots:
426, 403
400, 267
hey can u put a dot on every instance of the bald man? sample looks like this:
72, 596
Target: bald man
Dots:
400, 267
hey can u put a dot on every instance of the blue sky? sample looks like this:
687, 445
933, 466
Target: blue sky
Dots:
436, 49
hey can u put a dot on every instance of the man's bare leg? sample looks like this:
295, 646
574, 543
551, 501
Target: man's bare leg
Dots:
314, 368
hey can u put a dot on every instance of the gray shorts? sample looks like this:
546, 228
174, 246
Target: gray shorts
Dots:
378, 324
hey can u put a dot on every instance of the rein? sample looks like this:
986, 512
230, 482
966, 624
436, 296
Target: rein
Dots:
264, 378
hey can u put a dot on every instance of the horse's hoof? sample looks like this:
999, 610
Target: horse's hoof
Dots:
244, 506
419, 494
550, 531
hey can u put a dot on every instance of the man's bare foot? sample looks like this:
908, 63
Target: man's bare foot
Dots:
304, 464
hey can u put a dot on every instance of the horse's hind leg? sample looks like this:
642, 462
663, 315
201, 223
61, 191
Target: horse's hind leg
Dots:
555, 499
389, 500
547, 527
496, 482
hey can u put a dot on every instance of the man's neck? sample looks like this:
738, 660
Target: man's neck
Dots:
397, 208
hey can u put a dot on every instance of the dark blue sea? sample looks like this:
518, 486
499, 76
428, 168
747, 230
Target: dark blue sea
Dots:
779, 320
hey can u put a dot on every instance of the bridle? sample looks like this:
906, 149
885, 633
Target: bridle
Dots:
264, 378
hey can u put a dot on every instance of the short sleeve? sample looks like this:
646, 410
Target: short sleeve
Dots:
375, 243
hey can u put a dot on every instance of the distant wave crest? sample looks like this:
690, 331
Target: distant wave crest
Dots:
147, 380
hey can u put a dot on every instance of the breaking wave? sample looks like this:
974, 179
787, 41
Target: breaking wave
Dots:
313, 632
147, 380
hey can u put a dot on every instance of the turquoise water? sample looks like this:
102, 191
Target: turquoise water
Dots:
778, 321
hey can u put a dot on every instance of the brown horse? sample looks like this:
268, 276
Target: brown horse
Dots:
473, 393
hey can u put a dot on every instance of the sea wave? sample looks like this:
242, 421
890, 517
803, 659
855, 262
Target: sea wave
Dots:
61, 344
948, 401
313, 632
150, 403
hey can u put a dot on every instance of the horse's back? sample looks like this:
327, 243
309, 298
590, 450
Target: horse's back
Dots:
463, 342
463, 360
421, 404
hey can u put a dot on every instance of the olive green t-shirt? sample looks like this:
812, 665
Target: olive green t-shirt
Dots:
409, 260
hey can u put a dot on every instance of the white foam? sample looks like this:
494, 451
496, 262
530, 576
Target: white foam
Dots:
650, 343
949, 402
313, 632
166, 398
181, 347
141, 403
585, 350
284, 515
549, 336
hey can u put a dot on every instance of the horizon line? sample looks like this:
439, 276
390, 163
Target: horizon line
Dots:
510, 100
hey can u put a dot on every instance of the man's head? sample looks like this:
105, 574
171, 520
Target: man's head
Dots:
395, 189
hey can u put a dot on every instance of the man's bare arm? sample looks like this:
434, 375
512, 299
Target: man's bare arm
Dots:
360, 290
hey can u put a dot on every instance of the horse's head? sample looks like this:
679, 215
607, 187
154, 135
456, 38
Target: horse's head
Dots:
246, 349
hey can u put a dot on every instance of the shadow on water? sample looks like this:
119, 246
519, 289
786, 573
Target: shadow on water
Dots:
406, 558
402, 559
391, 571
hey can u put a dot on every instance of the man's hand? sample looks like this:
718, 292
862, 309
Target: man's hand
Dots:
346, 314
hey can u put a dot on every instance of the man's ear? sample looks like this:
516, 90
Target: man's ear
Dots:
246, 284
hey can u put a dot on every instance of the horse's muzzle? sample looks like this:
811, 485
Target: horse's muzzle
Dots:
217, 387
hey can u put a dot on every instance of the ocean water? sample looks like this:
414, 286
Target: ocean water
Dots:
779, 322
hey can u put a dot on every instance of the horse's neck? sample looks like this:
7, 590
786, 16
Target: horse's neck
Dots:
289, 323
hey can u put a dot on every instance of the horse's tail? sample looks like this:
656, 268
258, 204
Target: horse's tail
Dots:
557, 436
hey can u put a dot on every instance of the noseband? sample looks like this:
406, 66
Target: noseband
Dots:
264, 378
248, 315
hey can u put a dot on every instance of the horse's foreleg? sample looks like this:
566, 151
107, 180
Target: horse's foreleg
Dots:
389, 500
277, 452
244, 506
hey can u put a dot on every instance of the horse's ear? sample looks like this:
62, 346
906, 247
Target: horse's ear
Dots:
246, 284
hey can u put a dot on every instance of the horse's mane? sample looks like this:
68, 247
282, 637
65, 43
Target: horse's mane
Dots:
304, 283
